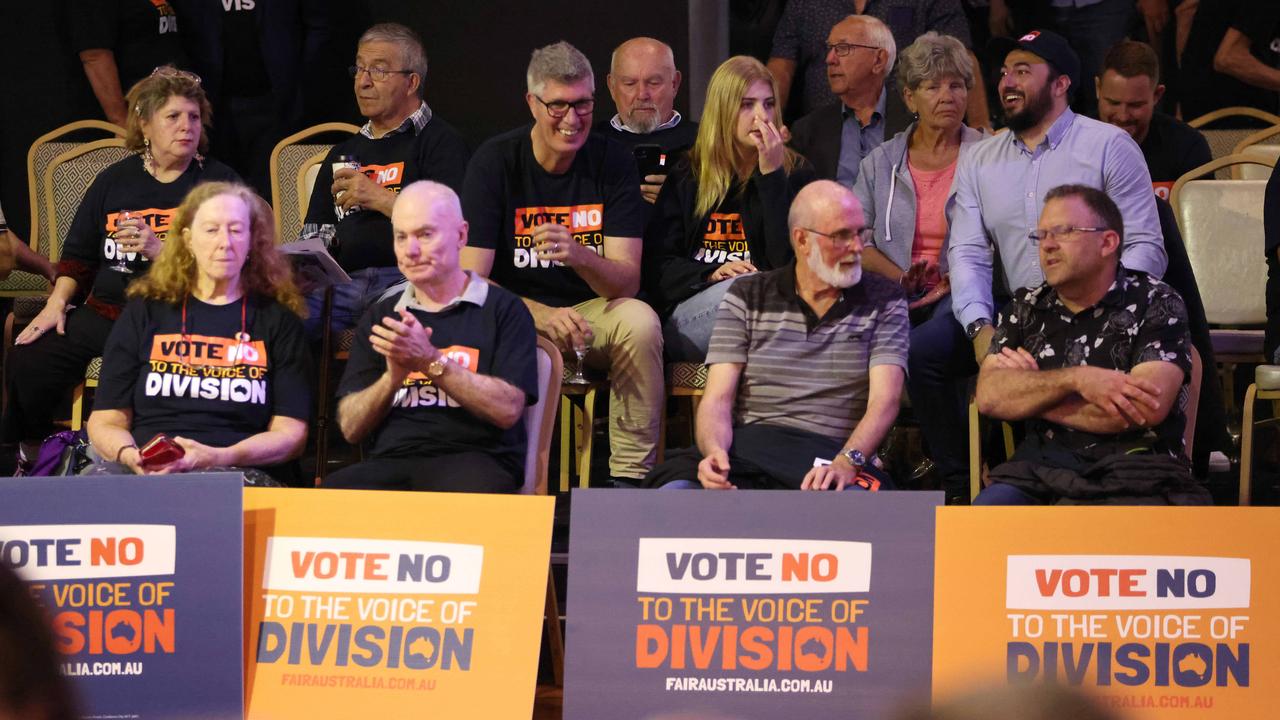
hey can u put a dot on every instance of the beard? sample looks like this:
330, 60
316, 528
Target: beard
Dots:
832, 275
1034, 109
642, 123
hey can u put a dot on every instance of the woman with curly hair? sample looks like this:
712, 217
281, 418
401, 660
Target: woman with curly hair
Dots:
209, 352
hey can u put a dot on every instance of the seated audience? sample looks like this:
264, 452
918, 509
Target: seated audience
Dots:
724, 212
32, 686
210, 351
1097, 359
117, 231
643, 82
836, 136
903, 186
1128, 91
556, 217
761, 428
15, 252
441, 370
402, 141
1231, 57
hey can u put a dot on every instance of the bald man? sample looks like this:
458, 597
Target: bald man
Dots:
761, 429
442, 367
643, 81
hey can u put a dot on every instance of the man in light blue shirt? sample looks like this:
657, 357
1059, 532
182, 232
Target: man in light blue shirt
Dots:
999, 187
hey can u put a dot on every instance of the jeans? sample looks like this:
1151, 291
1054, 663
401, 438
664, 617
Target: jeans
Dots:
350, 300
939, 362
1091, 31
687, 333
1002, 494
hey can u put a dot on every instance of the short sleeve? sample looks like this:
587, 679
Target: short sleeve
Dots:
1009, 324
482, 196
122, 359
515, 353
1258, 21
291, 371
731, 337
93, 24
890, 337
625, 211
1163, 334
786, 38
364, 366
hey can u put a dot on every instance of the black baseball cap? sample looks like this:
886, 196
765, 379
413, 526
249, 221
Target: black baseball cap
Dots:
1046, 44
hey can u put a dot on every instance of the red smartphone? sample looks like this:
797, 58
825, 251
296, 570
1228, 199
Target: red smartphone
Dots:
159, 450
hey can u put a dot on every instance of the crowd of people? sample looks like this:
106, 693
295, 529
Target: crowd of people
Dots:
886, 240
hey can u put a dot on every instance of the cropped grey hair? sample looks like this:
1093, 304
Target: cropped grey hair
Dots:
933, 57
411, 51
561, 62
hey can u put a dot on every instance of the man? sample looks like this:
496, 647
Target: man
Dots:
402, 141
835, 138
1128, 91
441, 372
1097, 360
762, 428
997, 196
643, 82
556, 217
798, 46
1231, 58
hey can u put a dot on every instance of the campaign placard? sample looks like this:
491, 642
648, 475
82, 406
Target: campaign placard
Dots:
141, 579
393, 604
1163, 612
752, 604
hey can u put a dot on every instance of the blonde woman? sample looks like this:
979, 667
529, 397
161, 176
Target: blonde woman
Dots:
210, 351
723, 210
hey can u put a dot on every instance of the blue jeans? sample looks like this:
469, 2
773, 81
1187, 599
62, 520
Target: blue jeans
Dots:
686, 335
939, 363
1091, 31
350, 300
1003, 494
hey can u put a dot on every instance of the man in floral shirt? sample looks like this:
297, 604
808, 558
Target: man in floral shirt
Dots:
1097, 360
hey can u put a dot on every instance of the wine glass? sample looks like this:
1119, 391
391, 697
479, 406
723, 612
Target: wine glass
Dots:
121, 264
580, 352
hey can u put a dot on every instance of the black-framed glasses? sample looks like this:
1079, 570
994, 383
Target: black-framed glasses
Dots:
841, 49
559, 108
846, 237
171, 71
377, 74
1062, 232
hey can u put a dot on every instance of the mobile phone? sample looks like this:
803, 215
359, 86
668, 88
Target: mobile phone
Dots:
650, 160
159, 450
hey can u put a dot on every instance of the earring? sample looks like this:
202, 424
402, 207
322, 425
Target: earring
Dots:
148, 160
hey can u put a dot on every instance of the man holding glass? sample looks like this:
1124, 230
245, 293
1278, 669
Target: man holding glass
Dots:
556, 217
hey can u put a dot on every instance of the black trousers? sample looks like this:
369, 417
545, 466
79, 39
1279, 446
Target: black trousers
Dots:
477, 472
39, 377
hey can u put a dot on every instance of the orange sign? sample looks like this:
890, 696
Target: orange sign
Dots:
383, 605
1162, 612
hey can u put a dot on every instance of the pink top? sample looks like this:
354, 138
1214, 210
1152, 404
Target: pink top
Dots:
932, 188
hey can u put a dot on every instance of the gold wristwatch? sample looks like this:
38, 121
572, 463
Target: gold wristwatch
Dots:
437, 366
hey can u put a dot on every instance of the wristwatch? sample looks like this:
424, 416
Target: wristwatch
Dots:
437, 366
855, 458
975, 327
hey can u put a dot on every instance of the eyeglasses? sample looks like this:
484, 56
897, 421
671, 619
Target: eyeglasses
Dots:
171, 71
1061, 232
846, 237
376, 74
842, 49
559, 108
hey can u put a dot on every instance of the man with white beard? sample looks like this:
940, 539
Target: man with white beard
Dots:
806, 363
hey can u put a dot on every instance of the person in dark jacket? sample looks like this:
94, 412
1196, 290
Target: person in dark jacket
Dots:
723, 211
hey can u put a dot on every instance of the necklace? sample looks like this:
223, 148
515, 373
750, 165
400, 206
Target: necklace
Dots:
242, 337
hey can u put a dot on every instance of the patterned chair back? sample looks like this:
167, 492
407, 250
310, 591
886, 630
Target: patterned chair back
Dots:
291, 161
68, 179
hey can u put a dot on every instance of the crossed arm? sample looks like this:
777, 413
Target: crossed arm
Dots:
1011, 386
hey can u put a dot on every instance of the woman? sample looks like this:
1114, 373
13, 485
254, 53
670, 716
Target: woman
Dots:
210, 352
118, 229
903, 187
723, 209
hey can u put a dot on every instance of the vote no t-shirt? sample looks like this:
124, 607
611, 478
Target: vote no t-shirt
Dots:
723, 238
90, 249
507, 194
205, 384
495, 338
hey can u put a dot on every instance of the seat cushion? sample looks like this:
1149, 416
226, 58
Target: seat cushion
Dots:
1267, 377
687, 375
1236, 342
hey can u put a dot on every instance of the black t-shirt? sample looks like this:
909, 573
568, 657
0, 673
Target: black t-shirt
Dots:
90, 248
1172, 148
1200, 88
507, 194
202, 387
141, 34
495, 339
244, 70
437, 152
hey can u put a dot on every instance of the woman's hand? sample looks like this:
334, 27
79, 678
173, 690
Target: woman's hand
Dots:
136, 236
939, 291
770, 146
731, 269
196, 456
52, 316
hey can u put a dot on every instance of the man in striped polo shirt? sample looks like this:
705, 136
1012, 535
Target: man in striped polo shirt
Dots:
806, 362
